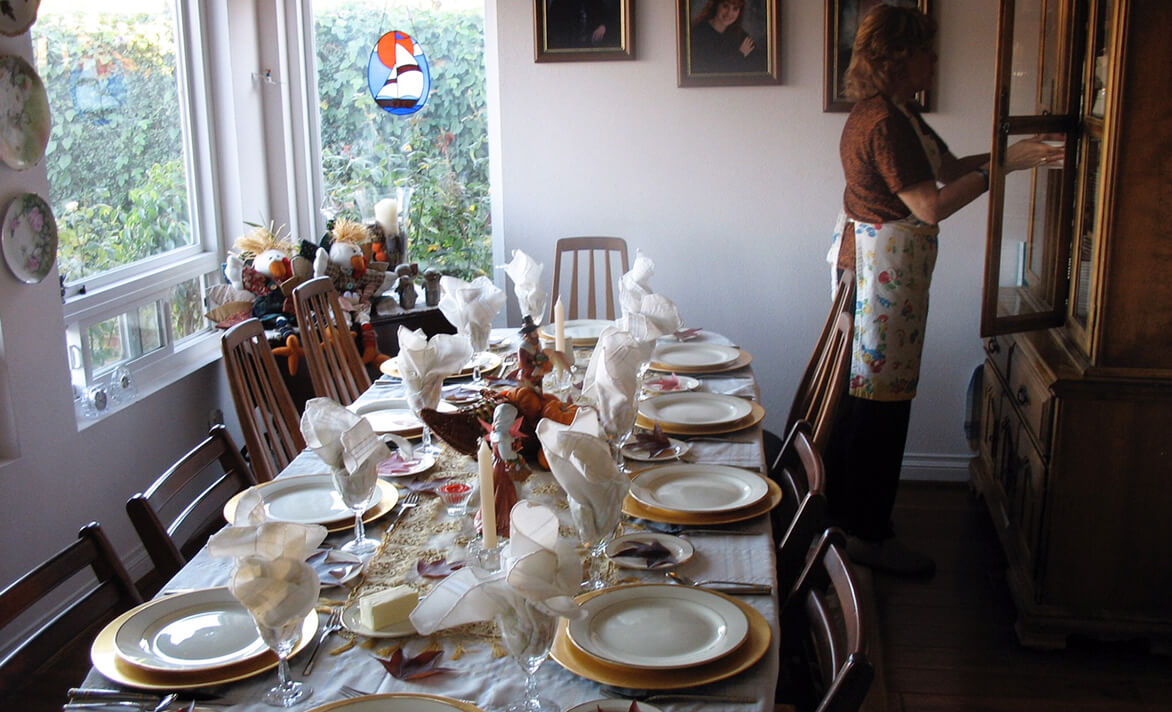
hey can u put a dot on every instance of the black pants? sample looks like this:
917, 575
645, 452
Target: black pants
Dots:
863, 461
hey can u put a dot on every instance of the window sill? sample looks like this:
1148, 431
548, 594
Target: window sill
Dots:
188, 358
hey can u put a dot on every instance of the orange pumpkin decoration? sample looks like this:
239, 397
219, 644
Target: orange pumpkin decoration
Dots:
558, 411
528, 402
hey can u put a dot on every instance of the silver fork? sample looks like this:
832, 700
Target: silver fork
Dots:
411, 501
658, 695
333, 625
744, 588
350, 693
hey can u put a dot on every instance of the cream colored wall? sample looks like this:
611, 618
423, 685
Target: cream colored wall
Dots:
733, 191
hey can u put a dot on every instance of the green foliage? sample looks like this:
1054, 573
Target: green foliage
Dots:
116, 175
440, 152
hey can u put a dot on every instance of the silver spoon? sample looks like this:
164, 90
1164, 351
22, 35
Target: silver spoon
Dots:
657, 695
731, 587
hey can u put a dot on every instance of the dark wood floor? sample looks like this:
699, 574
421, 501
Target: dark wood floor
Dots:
948, 642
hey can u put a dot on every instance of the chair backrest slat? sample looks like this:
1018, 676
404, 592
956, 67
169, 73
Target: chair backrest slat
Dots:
599, 292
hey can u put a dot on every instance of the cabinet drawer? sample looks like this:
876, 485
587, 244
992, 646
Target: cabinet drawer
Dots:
997, 351
992, 393
1032, 397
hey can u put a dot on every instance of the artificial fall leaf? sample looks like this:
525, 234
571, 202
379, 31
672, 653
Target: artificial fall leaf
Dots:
423, 665
666, 383
685, 334
416, 485
654, 442
438, 568
653, 552
395, 464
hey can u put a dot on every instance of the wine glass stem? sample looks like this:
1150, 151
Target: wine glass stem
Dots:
531, 686
359, 527
426, 439
283, 671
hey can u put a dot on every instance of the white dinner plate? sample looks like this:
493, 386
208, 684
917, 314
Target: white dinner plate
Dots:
351, 623
634, 451
393, 415
686, 487
487, 361
681, 550
693, 355
309, 499
579, 332
659, 626
670, 383
198, 630
413, 702
694, 409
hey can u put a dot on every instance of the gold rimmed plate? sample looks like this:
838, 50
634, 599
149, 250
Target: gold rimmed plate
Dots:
743, 359
315, 501
579, 332
488, 362
104, 656
634, 508
398, 702
583, 664
685, 413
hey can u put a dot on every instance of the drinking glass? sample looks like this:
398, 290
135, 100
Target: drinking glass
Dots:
595, 531
428, 396
527, 632
478, 335
356, 490
282, 640
455, 495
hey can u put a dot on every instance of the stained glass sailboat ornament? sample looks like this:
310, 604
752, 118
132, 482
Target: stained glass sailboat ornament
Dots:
398, 74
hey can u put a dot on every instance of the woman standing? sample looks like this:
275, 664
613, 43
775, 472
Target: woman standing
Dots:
901, 181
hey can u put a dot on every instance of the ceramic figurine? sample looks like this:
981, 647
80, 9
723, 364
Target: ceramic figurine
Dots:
532, 360
508, 467
405, 286
431, 286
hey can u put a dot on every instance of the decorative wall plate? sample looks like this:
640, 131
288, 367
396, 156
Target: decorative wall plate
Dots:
24, 114
16, 16
29, 238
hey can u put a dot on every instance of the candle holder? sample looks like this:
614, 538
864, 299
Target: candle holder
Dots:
489, 559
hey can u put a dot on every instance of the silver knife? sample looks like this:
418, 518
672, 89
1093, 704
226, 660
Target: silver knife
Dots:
77, 694
740, 589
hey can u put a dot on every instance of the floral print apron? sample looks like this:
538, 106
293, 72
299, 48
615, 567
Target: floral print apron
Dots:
893, 271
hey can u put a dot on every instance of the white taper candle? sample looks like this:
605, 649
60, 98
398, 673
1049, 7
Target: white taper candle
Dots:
487, 495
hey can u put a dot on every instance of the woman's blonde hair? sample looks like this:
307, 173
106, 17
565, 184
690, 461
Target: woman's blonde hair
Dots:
887, 37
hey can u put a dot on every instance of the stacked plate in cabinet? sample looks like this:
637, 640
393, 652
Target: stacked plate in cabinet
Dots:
186, 640
659, 636
698, 494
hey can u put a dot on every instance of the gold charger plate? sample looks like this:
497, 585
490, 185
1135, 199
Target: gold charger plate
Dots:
388, 496
741, 361
104, 656
634, 508
585, 665
492, 361
755, 416
369, 702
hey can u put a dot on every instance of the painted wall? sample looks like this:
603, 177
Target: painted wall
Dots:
733, 191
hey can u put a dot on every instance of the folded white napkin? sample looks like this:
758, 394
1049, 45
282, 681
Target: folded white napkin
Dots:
646, 315
272, 579
425, 362
322, 425
538, 567
471, 307
582, 463
612, 378
526, 275
346, 442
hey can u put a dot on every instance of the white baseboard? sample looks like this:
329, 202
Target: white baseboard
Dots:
936, 468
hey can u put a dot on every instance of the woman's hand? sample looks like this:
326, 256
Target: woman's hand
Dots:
747, 46
1031, 153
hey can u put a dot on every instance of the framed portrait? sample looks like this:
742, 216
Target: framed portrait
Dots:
583, 30
842, 24
728, 42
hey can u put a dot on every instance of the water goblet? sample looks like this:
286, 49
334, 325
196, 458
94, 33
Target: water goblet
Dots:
282, 639
418, 399
356, 490
478, 336
595, 531
527, 631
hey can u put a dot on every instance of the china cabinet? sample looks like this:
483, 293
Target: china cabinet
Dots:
1075, 462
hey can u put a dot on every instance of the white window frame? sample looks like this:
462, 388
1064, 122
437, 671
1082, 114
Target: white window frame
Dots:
126, 289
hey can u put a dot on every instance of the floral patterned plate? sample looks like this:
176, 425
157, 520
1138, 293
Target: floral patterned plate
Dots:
29, 237
24, 114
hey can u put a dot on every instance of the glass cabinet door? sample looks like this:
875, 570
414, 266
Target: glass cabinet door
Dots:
1030, 211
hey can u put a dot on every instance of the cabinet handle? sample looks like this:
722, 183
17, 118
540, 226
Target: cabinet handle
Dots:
992, 346
1023, 396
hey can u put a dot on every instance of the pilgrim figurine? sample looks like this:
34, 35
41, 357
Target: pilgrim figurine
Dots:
532, 360
431, 286
405, 286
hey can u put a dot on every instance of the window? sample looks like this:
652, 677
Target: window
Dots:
134, 261
438, 156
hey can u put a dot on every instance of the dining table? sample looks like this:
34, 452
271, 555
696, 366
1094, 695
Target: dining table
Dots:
477, 669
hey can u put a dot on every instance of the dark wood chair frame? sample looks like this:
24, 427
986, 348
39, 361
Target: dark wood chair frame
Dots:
593, 247
801, 516
335, 366
827, 613
113, 594
268, 417
806, 398
170, 545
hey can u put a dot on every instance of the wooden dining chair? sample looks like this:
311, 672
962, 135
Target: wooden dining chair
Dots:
272, 429
801, 515
599, 257
805, 402
335, 367
826, 634
36, 673
182, 508
829, 384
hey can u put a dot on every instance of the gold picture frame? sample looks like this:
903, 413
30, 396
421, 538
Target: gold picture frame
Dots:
744, 53
842, 18
583, 30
